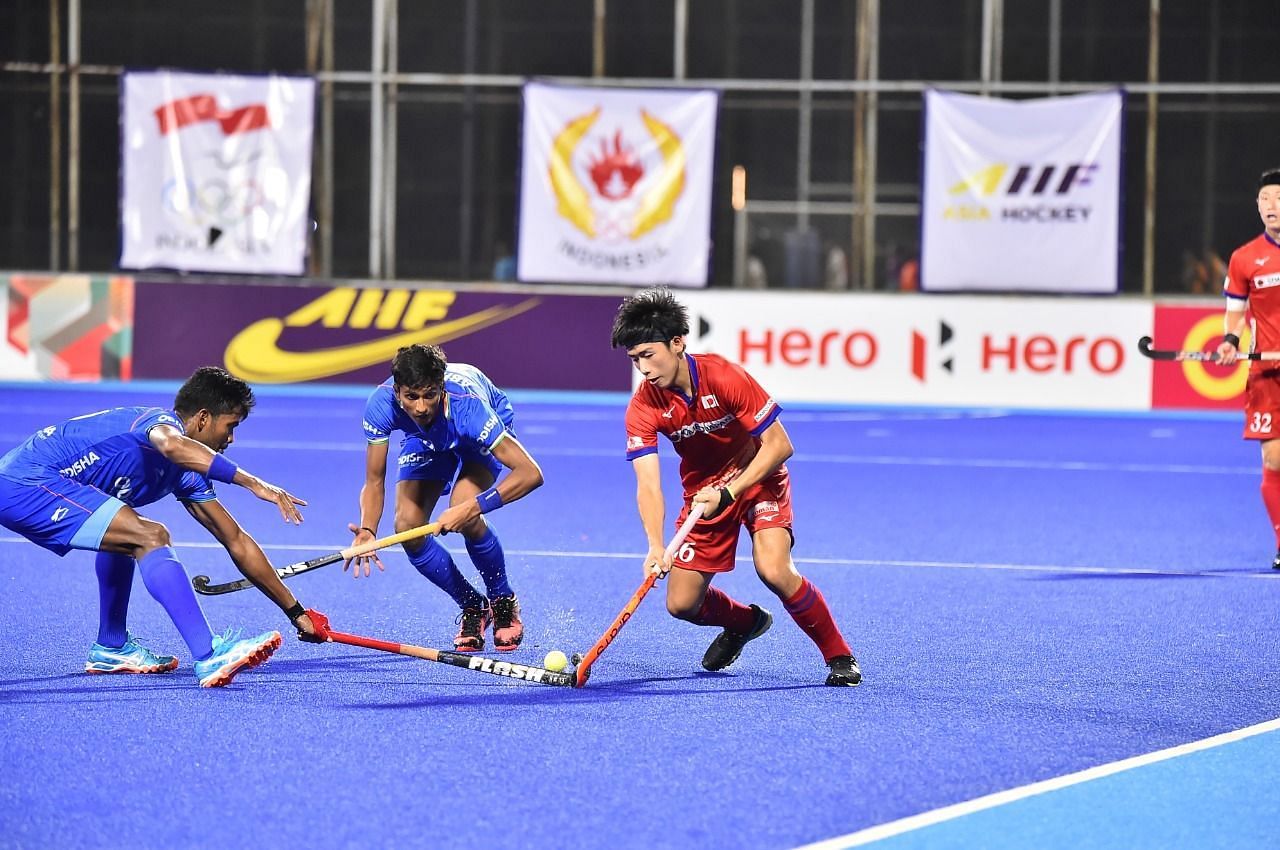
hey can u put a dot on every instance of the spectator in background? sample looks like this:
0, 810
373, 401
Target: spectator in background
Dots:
504, 263
1251, 281
909, 275
837, 272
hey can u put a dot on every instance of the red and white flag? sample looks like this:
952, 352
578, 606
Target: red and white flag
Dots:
616, 185
216, 172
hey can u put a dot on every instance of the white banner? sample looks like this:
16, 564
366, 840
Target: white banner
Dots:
1021, 195
216, 172
976, 351
616, 185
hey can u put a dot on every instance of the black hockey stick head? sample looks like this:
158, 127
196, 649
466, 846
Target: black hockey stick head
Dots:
1144, 345
201, 585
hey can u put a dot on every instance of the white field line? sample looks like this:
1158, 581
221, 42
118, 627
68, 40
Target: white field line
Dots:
803, 457
1000, 798
847, 562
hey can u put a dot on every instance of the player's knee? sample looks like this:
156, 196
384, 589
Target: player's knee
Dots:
153, 535
475, 530
683, 609
404, 522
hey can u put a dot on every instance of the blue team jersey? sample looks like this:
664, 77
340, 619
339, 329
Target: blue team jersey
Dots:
474, 414
109, 450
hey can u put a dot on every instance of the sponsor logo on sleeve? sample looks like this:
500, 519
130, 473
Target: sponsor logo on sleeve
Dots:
634, 442
764, 411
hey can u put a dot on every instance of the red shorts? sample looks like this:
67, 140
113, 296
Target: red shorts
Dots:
712, 544
1262, 405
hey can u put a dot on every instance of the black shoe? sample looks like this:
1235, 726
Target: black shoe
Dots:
725, 649
1275, 565
844, 672
473, 622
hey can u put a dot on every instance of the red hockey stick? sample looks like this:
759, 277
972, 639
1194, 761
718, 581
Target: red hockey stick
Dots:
584, 666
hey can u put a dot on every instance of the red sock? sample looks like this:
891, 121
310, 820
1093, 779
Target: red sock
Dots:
1271, 498
718, 609
809, 609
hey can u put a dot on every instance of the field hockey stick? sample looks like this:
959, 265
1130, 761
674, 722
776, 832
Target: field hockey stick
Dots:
201, 583
583, 669
477, 663
1144, 345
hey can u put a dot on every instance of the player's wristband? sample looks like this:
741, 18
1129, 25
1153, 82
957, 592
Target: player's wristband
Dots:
489, 500
368, 529
221, 469
726, 498
1231, 338
295, 612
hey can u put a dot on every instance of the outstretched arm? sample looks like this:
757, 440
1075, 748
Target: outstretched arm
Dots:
523, 478
198, 457
372, 498
775, 448
252, 562
653, 511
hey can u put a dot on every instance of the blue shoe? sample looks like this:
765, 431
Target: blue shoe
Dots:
231, 655
133, 657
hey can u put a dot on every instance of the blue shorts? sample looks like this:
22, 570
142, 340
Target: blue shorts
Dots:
418, 464
56, 512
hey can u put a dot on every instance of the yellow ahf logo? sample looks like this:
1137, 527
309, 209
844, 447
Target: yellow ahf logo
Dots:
254, 354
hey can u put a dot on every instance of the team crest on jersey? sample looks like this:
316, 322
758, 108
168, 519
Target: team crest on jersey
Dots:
46, 433
710, 401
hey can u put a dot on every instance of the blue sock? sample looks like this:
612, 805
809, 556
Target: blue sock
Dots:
167, 581
436, 564
486, 554
115, 581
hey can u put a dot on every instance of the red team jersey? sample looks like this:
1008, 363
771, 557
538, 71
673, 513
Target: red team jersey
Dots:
1253, 274
716, 432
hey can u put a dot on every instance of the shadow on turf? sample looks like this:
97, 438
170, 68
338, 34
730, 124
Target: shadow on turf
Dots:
113, 687
503, 692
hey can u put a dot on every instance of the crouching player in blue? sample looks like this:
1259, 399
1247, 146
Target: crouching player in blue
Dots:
75, 486
458, 435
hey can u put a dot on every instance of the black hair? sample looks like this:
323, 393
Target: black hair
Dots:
653, 315
215, 390
419, 366
1270, 177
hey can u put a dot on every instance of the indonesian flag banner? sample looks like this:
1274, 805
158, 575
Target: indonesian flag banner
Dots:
1022, 196
216, 172
616, 185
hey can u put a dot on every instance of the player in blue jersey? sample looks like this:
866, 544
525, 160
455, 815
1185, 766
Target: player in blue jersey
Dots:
458, 435
76, 485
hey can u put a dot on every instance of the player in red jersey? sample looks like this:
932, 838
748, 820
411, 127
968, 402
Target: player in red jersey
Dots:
1253, 281
732, 449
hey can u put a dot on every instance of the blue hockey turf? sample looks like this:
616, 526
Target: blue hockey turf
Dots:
1030, 596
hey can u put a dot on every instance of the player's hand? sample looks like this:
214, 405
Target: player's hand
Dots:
284, 500
1228, 354
657, 562
362, 535
713, 500
458, 516
307, 630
